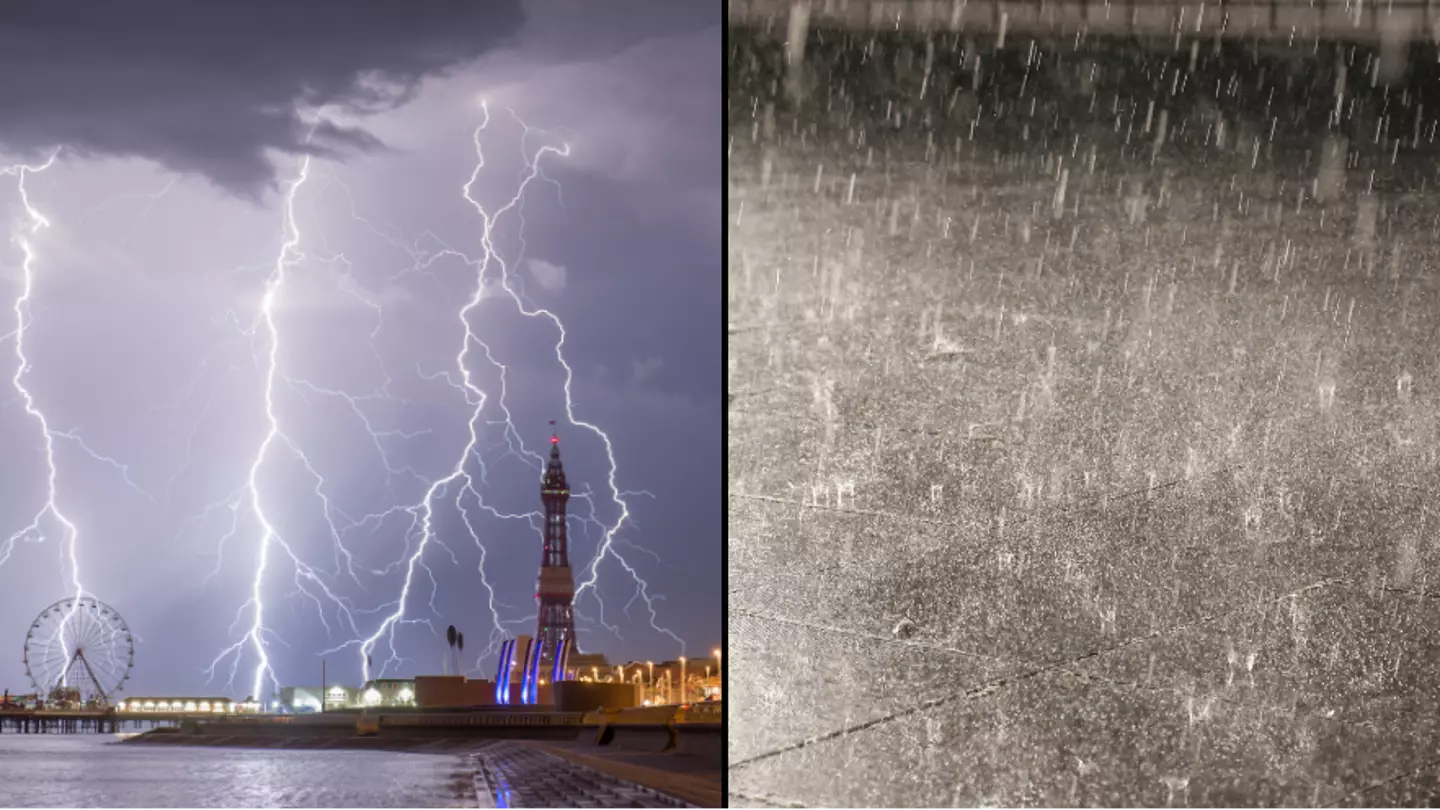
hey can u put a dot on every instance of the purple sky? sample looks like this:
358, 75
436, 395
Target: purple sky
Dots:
181, 128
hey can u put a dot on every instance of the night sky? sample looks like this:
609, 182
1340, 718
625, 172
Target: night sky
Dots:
182, 129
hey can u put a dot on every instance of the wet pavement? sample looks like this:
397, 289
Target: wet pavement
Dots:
1109, 491
695, 778
512, 774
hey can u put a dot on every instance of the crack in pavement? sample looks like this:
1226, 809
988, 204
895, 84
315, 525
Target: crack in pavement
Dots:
994, 686
874, 636
920, 645
1411, 774
991, 687
765, 800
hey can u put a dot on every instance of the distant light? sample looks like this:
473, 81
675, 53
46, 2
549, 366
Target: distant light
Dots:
554, 439
372, 696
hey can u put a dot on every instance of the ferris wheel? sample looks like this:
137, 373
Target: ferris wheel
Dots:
79, 650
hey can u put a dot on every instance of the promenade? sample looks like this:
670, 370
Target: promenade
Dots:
1070, 464
655, 757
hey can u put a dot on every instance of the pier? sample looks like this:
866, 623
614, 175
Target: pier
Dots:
65, 722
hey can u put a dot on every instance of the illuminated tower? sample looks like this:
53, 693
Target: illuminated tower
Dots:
556, 622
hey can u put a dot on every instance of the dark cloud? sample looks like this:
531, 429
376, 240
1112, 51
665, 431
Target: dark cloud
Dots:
572, 30
210, 87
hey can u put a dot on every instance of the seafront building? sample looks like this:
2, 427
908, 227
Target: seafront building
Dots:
378, 693
215, 705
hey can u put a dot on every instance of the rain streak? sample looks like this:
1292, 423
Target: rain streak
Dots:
1082, 415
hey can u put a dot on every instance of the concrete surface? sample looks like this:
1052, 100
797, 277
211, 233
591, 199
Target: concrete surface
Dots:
1144, 521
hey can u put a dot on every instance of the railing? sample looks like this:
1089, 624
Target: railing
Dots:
1296, 20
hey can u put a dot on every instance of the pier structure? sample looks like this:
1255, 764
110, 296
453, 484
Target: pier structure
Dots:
68, 722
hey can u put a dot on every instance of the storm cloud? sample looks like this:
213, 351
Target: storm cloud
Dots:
211, 88
166, 219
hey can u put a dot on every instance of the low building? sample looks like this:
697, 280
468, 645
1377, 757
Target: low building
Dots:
304, 699
300, 698
452, 692
388, 692
186, 705
580, 665
586, 696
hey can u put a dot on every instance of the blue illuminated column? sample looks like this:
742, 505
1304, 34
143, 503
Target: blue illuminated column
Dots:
519, 653
525, 673
530, 686
502, 672
562, 654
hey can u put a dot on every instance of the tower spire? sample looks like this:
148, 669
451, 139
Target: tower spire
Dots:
555, 630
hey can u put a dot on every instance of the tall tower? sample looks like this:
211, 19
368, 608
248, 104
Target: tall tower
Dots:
556, 592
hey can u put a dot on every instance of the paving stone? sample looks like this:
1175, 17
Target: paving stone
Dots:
508, 774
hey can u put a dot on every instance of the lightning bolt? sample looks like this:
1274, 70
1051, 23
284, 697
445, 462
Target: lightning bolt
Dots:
249, 505
423, 513
269, 537
460, 477
50, 511
250, 497
607, 545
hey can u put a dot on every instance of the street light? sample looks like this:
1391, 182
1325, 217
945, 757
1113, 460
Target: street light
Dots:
682, 679
651, 664
717, 660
